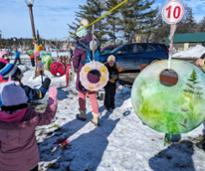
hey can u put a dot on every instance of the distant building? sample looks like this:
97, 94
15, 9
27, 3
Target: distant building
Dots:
184, 41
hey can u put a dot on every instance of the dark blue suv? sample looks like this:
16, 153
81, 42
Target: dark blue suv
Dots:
131, 57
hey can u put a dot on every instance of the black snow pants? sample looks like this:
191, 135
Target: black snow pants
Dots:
110, 90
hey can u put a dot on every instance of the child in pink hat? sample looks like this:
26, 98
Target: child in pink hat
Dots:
18, 146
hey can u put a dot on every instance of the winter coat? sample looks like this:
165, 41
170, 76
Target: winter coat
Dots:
31, 56
17, 55
79, 59
34, 94
3, 60
113, 73
18, 146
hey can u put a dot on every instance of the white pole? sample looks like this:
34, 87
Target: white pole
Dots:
93, 35
171, 38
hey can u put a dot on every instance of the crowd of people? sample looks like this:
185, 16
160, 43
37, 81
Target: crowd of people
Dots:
6, 56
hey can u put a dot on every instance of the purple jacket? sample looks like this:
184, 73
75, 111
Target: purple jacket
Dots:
79, 58
18, 146
78, 62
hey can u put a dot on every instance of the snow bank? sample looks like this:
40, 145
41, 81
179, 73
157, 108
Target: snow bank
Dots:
195, 52
56, 54
53, 54
24, 56
55, 81
23, 68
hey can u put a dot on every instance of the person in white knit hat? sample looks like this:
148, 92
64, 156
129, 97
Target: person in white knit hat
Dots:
19, 148
110, 88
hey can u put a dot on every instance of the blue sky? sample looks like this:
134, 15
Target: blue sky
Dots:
52, 16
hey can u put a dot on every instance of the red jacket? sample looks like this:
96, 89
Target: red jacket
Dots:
32, 56
4, 60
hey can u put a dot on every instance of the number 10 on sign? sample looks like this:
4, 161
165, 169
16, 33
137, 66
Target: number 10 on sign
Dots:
173, 12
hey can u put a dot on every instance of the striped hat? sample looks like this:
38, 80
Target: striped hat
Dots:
15, 74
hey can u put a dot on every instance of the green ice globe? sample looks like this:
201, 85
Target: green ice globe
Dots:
174, 109
47, 60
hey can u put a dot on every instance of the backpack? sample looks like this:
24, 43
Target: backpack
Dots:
89, 56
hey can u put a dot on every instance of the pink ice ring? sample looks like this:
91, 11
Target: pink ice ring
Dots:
94, 76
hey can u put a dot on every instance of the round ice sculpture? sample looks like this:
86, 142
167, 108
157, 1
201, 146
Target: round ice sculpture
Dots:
171, 109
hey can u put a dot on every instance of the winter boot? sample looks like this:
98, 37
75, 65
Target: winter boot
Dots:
96, 119
82, 116
201, 143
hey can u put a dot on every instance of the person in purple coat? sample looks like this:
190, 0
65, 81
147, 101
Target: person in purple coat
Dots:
79, 60
18, 145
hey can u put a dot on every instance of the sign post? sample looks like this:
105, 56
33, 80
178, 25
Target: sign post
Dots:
172, 13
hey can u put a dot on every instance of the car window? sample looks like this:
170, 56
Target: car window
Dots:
137, 48
106, 51
123, 50
150, 48
161, 47
116, 49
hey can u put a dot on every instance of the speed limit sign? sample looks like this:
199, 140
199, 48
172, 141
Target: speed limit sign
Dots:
173, 12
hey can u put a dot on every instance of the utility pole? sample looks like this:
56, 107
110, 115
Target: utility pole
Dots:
30, 7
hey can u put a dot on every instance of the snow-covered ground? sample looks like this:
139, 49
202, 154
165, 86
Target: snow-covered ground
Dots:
194, 52
122, 143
